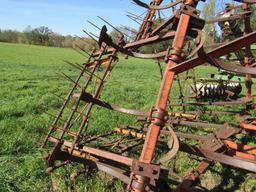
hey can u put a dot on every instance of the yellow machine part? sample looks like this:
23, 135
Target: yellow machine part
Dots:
226, 25
128, 132
100, 62
184, 115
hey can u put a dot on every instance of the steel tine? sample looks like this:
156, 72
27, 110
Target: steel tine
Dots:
70, 79
126, 28
121, 33
130, 17
139, 16
78, 65
130, 13
77, 112
94, 35
161, 13
111, 25
51, 115
93, 24
134, 3
134, 15
73, 65
90, 73
79, 51
90, 36
58, 96
134, 32
82, 49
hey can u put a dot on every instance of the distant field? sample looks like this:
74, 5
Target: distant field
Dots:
28, 81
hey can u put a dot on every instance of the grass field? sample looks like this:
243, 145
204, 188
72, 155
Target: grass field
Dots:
28, 81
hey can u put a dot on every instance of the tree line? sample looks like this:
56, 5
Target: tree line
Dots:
46, 37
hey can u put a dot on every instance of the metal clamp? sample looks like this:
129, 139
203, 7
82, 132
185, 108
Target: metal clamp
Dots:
146, 170
176, 55
158, 116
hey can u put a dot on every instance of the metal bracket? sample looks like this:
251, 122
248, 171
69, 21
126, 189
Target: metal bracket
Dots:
146, 170
227, 131
212, 143
158, 116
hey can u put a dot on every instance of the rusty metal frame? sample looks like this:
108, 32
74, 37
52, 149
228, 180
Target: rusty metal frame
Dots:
142, 174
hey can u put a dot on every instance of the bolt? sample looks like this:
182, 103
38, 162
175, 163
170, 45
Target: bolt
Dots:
141, 168
154, 172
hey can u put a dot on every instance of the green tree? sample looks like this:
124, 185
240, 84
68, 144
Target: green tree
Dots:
56, 40
253, 18
68, 41
209, 13
41, 35
9, 36
129, 33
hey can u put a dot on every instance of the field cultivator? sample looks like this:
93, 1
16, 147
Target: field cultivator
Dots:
137, 154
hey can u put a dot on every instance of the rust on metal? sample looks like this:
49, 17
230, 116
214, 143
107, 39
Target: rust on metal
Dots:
129, 152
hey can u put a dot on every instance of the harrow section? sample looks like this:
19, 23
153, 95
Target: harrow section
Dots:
137, 155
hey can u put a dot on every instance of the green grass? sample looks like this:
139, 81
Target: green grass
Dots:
28, 80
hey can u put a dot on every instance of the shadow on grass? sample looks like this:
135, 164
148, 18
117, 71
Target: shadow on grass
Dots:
231, 180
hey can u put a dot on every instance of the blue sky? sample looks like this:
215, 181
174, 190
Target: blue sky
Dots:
65, 16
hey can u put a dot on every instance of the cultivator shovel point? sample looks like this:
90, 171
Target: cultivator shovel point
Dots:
137, 155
